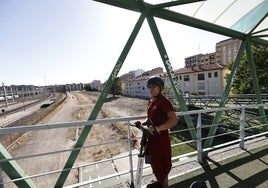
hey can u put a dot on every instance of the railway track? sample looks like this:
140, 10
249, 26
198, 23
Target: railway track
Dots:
18, 120
22, 107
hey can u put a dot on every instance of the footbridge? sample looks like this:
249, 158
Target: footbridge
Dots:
119, 171
204, 101
235, 19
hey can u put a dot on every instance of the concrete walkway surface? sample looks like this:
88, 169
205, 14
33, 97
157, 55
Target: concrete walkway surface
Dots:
235, 167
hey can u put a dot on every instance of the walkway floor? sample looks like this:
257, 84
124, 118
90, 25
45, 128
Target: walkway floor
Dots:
224, 168
246, 168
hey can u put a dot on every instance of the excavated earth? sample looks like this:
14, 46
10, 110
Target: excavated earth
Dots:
76, 107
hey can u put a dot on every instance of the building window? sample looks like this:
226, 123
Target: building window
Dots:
201, 77
187, 86
186, 78
215, 74
180, 78
201, 86
209, 74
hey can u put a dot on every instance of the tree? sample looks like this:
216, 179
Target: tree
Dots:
88, 87
116, 87
242, 83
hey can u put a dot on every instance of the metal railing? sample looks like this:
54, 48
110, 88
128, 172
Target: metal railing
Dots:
132, 154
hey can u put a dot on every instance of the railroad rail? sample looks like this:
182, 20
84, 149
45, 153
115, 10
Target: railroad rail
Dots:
25, 105
32, 119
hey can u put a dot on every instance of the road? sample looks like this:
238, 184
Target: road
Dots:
77, 106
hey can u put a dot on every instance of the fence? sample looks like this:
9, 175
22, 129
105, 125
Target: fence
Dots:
131, 155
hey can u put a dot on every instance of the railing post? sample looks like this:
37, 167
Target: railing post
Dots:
130, 156
199, 139
242, 129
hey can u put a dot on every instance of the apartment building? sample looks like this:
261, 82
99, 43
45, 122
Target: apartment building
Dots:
202, 79
96, 84
226, 51
20, 90
74, 87
158, 70
203, 74
200, 59
137, 87
132, 74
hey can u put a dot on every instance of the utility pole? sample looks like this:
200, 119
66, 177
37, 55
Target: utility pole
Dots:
12, 94
5, 94
23, 97
45, 85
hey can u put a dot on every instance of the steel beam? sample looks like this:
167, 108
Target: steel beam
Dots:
175, 3
176, 17
13, 170
173, 80
159, 11
74, 154
255, 81
216, 120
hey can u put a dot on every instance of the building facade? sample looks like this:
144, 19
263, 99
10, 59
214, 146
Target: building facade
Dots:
96, 85
202, 80
132, 74
199, 80
137, 87
226, 51
203, 74
200, 59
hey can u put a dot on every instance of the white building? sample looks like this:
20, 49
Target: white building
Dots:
137, 87
202, 80
96, 84
132, 74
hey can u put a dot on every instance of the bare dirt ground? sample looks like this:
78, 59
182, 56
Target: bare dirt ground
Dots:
76, 107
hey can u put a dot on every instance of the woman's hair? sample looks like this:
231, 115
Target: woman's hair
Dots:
155, 80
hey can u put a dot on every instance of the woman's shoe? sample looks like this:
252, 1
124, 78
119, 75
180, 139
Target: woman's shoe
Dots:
155, 184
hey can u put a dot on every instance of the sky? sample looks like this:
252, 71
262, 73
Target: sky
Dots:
48, 42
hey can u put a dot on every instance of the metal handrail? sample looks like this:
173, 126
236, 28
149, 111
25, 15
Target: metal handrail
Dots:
130, 154
7, 130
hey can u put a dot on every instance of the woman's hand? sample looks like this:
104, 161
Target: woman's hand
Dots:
154, 130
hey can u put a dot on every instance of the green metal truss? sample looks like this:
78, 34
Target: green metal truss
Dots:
150, 11
99, 103
13, 170
170, 72
255, 82
245, 45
